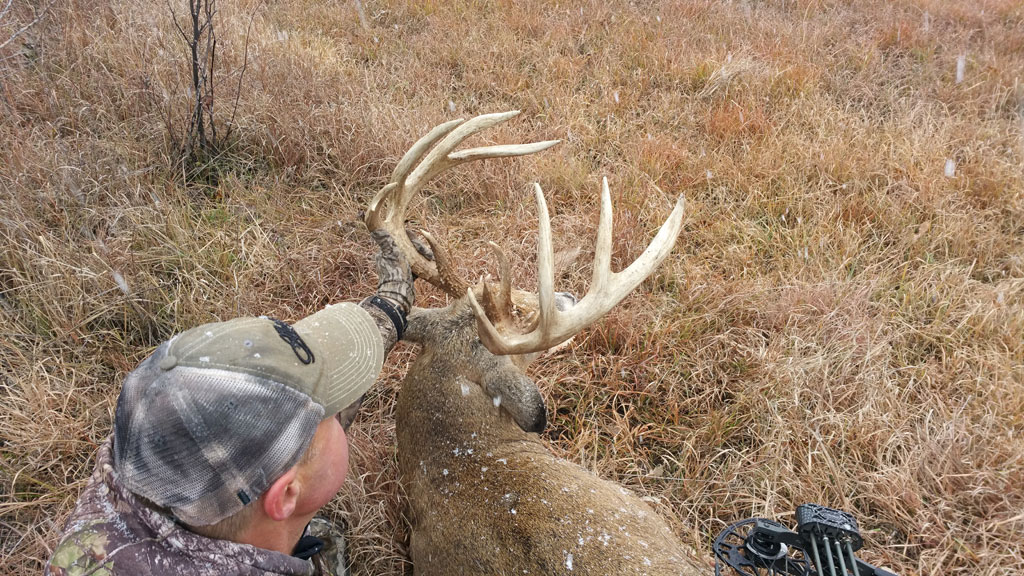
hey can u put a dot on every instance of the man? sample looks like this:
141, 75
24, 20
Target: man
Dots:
229, 438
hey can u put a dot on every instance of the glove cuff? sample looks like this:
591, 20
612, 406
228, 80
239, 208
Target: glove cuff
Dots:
394, 313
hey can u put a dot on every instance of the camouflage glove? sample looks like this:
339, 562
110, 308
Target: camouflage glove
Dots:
395, 291
394, 276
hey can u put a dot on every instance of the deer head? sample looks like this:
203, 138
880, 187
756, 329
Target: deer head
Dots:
511, 326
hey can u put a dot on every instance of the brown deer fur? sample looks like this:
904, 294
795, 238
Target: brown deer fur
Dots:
485, 496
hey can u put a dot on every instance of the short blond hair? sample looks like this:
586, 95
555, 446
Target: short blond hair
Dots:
233, 526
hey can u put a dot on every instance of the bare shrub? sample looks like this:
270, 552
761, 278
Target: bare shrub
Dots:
200, 145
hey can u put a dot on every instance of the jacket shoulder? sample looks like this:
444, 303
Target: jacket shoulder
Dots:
82, 551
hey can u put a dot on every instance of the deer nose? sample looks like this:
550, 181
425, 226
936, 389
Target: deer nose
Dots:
525, 404
539, 423
533, 415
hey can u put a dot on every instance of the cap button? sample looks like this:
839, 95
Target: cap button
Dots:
169, 361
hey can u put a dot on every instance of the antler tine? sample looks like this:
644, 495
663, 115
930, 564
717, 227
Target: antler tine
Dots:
402, 169
442, 158
429, 156
607, 288
409, 160
499, 308
505, 269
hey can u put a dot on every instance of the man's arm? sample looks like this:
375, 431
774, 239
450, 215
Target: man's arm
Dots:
396, 294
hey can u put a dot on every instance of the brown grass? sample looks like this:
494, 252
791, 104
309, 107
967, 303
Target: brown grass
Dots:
840, 323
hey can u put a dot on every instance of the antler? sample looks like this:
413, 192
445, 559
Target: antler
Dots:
606, 290
417, 167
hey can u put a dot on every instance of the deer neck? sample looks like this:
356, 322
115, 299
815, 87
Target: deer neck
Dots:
440, 405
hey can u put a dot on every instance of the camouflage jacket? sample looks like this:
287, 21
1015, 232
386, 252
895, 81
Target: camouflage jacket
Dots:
112, 532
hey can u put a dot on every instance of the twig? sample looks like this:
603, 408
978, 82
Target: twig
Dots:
6, 8
245, 66
39, 16
174, 18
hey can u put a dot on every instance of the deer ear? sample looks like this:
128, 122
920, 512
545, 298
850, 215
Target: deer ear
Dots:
518, 396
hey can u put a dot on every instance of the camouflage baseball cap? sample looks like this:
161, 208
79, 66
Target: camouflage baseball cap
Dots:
216, 414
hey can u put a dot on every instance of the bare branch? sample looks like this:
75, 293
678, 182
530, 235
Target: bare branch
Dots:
6, 8
38, 17
245, 66
174, 18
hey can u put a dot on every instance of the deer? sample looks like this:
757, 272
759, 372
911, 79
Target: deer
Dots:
485, 494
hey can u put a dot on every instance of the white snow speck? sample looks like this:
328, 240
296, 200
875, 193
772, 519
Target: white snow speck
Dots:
204, 358
950, 170
497, 400
120, 281
209, 334
465, 388
256, 355
568, 561
444, 472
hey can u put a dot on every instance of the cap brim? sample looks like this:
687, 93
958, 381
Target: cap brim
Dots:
346, 339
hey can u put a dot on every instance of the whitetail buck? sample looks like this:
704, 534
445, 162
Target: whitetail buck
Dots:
486, 496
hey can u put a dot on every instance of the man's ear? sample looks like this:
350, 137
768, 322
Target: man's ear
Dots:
279, 500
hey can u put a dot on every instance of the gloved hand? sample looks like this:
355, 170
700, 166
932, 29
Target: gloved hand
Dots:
395, 277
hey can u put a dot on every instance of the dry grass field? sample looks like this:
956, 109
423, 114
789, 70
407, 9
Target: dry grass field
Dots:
842, 321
